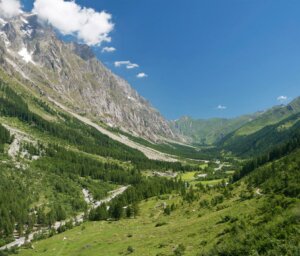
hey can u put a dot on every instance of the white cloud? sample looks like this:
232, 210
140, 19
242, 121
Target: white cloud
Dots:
69, 18
10, 8
109, 49
126, 63
282, 98
141, 75
132, 65
221, 107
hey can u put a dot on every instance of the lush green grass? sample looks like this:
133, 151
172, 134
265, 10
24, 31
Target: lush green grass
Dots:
212, 182
189, 176
203, 165
189, 225
264, 139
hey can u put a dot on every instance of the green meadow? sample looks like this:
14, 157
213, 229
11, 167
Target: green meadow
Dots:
151, 233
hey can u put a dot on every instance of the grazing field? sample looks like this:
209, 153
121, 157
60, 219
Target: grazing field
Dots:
212, 182
191, 177
229, 172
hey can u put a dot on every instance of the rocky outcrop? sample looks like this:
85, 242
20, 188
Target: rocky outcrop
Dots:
71, 74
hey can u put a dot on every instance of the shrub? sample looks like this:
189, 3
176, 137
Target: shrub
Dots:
179, 251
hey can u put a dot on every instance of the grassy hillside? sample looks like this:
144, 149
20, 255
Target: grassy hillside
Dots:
264, 139
270, 117
212, 131
257, 216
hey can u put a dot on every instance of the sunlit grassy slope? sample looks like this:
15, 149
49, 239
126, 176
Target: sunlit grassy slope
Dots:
258, 215
151, 233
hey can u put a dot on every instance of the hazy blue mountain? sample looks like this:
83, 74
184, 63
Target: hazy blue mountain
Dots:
211, 131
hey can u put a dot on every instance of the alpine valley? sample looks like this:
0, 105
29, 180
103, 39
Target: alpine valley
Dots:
89, 167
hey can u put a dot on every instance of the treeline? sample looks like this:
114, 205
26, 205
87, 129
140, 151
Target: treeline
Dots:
13, 105
126, 205
86, 138
61, 161
276, 153
4, 137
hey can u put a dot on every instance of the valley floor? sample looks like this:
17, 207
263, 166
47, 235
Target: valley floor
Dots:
151, 233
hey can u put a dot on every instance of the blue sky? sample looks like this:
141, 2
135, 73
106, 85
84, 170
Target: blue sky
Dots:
240, 55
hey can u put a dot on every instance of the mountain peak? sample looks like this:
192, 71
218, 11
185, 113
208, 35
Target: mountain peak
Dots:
71, 74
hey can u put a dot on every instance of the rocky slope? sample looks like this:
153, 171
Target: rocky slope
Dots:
71, 74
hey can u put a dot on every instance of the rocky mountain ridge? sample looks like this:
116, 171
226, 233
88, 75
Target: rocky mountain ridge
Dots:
71, 74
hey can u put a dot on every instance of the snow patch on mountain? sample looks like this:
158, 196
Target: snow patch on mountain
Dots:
26, 56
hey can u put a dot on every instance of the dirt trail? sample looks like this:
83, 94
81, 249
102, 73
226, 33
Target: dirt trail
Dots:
150, 153
78, 219
14, 147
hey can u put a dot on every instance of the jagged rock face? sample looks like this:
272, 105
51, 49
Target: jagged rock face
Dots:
71, 74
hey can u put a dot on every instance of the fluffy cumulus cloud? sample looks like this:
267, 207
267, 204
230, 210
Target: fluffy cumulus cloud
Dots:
141, 75
221, 107
109, 49
89, 26
282, 98
10, 8
126, 63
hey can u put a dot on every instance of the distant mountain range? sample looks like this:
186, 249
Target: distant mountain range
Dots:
225, 131
208, 131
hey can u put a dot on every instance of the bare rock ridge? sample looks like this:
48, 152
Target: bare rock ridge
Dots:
71, 74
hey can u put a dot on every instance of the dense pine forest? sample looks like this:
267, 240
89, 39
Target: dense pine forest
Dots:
4, 137
86, 138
